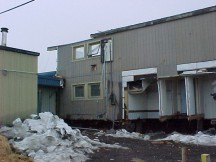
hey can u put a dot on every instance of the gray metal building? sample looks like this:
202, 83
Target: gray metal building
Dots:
154, 70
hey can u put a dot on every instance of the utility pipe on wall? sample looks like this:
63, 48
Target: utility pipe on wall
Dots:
4, 36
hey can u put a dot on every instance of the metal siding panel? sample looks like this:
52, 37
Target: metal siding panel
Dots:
137, 102
75, 73
153, 101
143, 115
181, 41
190, 96
208, 102
64, 59
47, 99
196, 38
19, 90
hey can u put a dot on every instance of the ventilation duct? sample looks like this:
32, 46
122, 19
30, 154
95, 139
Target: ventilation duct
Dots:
138, 86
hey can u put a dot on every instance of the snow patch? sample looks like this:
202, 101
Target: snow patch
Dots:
124, 133
198, 139
135, 135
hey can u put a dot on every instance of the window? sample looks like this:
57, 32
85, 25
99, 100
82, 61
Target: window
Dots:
78, 52
106, 50
79, 91
94, 90
86, 91
94, 49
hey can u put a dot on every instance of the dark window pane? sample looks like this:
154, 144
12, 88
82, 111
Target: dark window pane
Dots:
79, 91
95, 90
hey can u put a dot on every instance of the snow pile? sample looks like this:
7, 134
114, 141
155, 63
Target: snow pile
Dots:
198, 139
48, 138
126, 134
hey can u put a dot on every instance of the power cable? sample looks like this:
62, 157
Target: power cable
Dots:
17, 6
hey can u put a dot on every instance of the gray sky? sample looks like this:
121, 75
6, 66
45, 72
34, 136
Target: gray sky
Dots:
45, 23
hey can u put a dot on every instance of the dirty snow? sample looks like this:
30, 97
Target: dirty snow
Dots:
197, 139
135, 135
48, 138
126, 134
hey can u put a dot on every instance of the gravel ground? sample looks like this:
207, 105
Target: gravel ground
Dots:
138, 151
147, 151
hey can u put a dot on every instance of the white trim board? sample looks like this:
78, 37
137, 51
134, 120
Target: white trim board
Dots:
196, 66
145, 71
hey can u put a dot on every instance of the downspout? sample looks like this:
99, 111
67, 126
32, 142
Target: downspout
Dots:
103, 78
112, 96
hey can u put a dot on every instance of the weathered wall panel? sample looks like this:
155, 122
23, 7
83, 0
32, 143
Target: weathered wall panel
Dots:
183, 41
47, 99
18, 86
208, 104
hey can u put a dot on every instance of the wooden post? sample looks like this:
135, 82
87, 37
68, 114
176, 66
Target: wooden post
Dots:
205, 158
199, 124
184, 154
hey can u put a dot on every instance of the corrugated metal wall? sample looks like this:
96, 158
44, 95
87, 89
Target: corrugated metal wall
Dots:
207, 102
80, 72
18, 86
163, 45
47, 99
176, 42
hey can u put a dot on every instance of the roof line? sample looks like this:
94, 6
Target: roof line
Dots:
154, 22
6, 48
52, 48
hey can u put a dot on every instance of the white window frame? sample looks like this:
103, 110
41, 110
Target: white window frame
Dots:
90, 44
74, 97
74, 52
89, 90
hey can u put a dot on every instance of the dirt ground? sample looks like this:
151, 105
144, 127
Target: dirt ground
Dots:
7, 155
147, 151
138, 151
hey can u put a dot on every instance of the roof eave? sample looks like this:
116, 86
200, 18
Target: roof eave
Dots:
53, 48
6, 48
154, 22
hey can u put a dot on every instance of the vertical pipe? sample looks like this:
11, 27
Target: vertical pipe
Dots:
4, 36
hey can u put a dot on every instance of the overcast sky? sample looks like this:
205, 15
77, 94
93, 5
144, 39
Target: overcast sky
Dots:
44, 23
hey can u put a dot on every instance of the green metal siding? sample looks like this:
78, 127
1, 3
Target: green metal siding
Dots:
18, 86
47, 99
